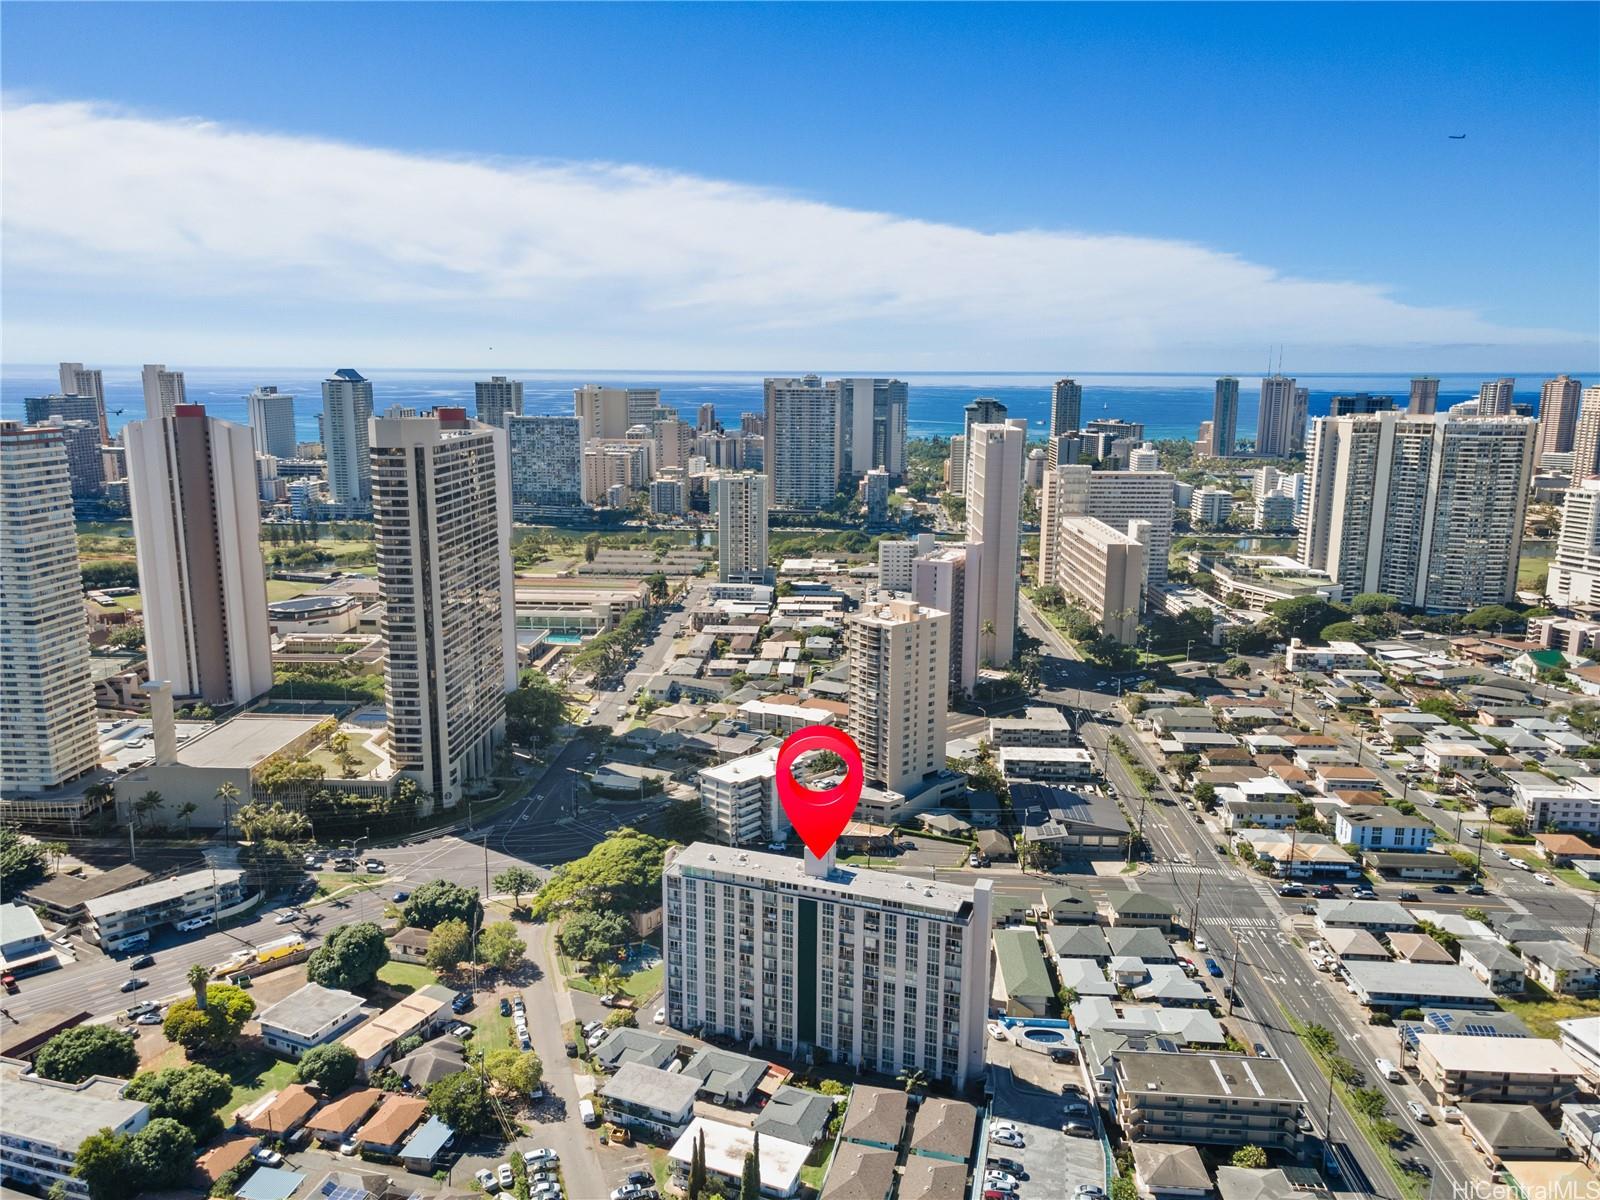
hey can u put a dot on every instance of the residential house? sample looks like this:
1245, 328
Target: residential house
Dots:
312, 1016
1068, 906
1143, 908
876, 1117
795, 1115
409, 944
723, 1076
1375, 916
423, 1148
625, 1045
1495, 964
944, 1129
423, 1012
387, 1129
1561, 968
1022, 984
1382, 828
1510, 1132
335, 1122
280, 1113
1163, 1171
1207, 1099
1401, 985
661, 1102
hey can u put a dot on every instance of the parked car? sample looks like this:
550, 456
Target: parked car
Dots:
1200, 945
1450, 1114
266, 1156
997, 1031
1010, 1139
1007, 1164
1078, 1129
1213, 969
348, 1149
571, 1048
148, 1018
1419, 1113
505, 1007
485, 1178
505, 1175
642, 1178
661, 1016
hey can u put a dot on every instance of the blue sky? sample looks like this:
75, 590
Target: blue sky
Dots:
1105, 187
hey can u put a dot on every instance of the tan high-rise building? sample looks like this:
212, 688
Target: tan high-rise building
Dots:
441, 510
1428, 510
47, 709
163, 390
945, 579
739, 501
1558, 413
1586, 437
193, 493
899, 692
609, 412
1104, 570
802, 457
1424, 396
955, 467
1115, 497
994, 510
1277, 433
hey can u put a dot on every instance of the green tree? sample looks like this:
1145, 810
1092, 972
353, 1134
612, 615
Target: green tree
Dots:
1320, 1040
622, 873
271, 822
104, 1164
216, 1027
499, 946
161, 1155
1496, 616
535, 710
697, 1168
189, 1095
1304, 616
1251, 1158
84, 1050
1387, 1132
1514, 819
55, 852
349, 957
146, 804
332, 1066
685, 820
21, 862
462, 1102
516, 879
750, 1183
440, 900
589, 934
1369, 1102
914, 1079
1366, 604
449, 945
518, 1071
186, 812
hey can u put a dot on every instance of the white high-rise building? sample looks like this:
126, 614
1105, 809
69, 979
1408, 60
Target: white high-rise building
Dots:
740, 799
739, 501
1280, 421
47, 709
894, 560
441, 509
546, 462
1210, 506
802, 443
872, 425
1424, 400
899, 692
1586, 437
1558, 414
1104, 569
866, 968
194, 495
609, 412
1495, 397
270, 414
1426, 509
497, 398
1144, 458
945, 579
346, 411
666, 497
994, 510
1574, 580
78, 381
1115, 497
163, 390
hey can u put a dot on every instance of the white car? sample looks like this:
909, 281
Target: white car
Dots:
485, 1178
1505, 854
661, 1016
267, 1157
348, 1149
283, 918
992, 1184
1013, 1140
1544, 879
997, 1031
1450, 1114
505, 1175
543, 1156
1200, 945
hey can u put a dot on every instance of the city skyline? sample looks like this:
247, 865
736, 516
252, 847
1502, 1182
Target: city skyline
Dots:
638, 242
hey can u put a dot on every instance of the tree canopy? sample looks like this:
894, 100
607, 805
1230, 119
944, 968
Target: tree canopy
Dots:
216, 1027
333, 1066
517, 879
1492, 616
84, 1050
1366, 604
462, 1102
440, 900
349, 956
622, 873
518, 1071
449, 945
21, 862
161, 1155
590, 933
1304, 616
499, 946
535, 709
189, 1095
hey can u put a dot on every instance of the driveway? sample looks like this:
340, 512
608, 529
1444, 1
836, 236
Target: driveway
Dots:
1027, 1093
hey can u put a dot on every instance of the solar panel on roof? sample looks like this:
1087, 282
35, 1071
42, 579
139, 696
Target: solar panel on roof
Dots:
334, 1190
1442, 1021
1477, 1030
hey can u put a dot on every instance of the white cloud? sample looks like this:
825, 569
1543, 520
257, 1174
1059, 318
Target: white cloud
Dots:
222, 243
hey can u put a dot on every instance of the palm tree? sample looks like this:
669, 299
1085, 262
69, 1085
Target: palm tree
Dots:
227, 793
187, 810
608, 979
915, 1079
55, 850
197, 980
145, 805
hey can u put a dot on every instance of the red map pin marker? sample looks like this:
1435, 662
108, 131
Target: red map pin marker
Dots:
819, 816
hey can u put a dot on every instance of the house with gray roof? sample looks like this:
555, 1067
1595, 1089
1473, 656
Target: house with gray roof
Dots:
795, 1115
1495, 963
1561, 968
1140, 941
1084, 976
1079, 941
651, 1099
1142, 908
312, 1016
1069, 906
624, 1045
1511, 1132
876, 1117
1163, 1170
724, 1076
944, 1129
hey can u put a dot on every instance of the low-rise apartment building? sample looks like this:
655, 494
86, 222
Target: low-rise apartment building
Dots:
1207, 1099
1378, 827
42, 1124
116, 918
740, 799
310, 1017
1457, 1067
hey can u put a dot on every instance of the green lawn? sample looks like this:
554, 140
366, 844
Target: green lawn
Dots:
407, 977
253, 1077
133, 603
285, 589
812, 1176
1541, 1011
364, 759
332, 881
1534, 564
494, 1032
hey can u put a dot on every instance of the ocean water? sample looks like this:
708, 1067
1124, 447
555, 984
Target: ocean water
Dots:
1168, 405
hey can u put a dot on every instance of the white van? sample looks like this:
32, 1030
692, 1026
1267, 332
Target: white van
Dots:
1387, 1069
586, 1111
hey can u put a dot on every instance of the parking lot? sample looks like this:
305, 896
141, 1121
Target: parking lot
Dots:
1027, 1090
